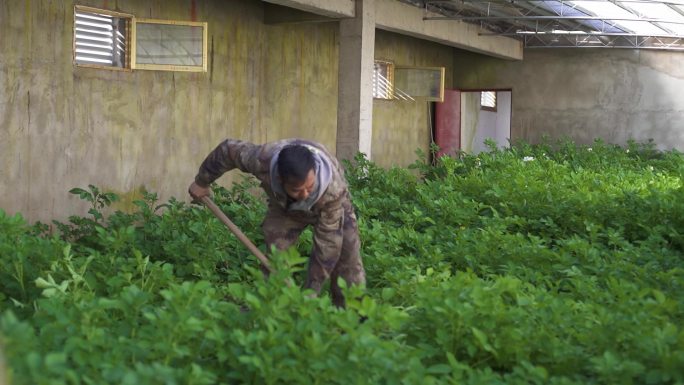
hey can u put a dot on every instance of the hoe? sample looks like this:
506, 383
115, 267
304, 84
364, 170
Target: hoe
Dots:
236, 230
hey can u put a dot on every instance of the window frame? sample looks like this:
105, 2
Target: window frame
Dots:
415, 94
129, 22
169, 67
131, 45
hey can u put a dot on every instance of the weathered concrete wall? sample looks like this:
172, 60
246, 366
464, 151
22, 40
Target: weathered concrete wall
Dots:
401, 127
63, 126
615, 95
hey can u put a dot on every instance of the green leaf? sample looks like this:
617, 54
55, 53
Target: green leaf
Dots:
43, 284
482, 339
54, 361
388, 293
659, 296
439, 369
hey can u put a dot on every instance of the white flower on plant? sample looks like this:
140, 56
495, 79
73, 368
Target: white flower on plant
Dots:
528, 158
589, 149
627, 150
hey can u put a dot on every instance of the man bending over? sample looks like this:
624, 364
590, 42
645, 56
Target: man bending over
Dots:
305, 186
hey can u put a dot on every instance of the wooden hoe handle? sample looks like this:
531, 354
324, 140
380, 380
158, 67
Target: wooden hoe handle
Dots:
235, 230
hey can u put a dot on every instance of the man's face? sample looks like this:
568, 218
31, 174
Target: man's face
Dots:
300, 190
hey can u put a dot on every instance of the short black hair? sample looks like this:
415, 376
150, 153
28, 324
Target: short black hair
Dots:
294, 163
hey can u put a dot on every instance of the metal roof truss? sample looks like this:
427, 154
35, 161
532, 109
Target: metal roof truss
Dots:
642, 24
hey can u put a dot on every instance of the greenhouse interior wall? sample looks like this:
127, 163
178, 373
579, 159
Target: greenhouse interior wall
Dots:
583, 94
63, 126
401, 127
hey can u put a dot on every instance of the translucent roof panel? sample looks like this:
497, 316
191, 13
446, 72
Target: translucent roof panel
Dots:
562, 8
641, 24
620, 16
654, 10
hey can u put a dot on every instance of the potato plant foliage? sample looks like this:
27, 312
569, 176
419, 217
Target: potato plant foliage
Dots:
538, 264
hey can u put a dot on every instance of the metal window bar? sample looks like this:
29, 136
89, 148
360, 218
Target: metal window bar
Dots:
99, 39
488, 99
383, 89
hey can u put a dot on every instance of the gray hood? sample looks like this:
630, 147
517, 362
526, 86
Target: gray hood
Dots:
323, 170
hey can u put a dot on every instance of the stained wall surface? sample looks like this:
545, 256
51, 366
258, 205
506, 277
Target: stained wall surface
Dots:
612, 94
402, 127
63, 126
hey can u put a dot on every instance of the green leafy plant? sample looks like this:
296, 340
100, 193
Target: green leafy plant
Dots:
552, 263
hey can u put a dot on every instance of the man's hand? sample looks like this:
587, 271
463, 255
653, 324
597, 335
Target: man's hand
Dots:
198, 192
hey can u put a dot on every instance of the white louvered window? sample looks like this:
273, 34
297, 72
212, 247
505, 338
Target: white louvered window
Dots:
488, 100
101, 38
382, 79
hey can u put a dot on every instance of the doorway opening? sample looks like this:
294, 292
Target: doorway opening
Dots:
468, 118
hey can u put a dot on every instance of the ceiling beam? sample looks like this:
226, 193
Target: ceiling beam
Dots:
509, 18
676, 9
406, 19
541, 18
495, 11
631, 42
276, 14
531, 33
669, 2
329, 8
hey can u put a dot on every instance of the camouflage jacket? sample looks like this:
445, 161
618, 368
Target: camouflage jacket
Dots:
258, 160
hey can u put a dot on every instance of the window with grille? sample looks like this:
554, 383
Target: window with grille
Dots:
382, 79
112, 40
101, 38
488, 100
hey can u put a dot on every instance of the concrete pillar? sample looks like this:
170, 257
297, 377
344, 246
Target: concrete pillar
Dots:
355, 93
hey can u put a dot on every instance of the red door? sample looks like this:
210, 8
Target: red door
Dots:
448, 123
